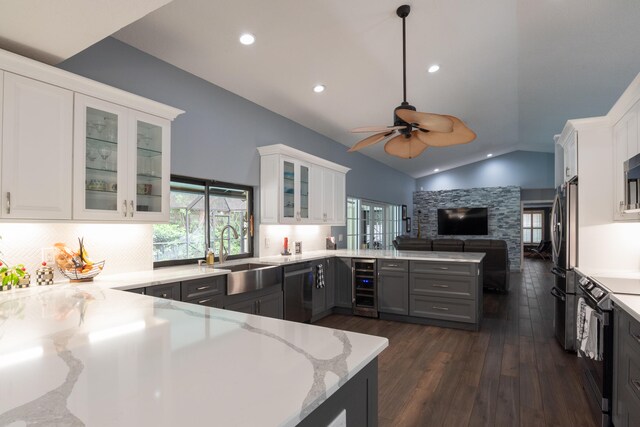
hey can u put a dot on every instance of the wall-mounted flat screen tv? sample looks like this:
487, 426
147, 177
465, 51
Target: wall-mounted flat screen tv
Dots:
463, 222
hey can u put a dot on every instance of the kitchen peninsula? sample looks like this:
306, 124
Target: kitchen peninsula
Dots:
84, 355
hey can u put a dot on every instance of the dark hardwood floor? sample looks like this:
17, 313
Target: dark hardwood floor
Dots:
511, 372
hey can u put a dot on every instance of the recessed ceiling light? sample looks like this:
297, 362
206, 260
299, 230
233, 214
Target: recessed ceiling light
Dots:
436, 170
434, 68
489, 155
319, 88
247, 39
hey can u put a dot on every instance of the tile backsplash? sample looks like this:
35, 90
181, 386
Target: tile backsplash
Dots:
313, 237
125, 247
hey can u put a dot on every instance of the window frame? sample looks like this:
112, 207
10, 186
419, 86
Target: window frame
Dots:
531, 212
207, 183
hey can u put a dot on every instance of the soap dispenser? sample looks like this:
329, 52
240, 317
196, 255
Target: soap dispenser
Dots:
210, 258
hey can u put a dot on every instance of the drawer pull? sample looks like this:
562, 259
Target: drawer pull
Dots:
163, 295
440, 308
439, 286
637, 337
636, 384
443, 268
202, 288
204, 301
393, 265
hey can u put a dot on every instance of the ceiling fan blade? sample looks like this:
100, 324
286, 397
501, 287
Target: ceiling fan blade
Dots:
427, 121
461, 135
405, 148
373, 139
376, 129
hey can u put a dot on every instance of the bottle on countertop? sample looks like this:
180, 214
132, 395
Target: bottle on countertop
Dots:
210, 257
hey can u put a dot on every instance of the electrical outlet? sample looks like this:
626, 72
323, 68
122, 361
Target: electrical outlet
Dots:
340, 237
267, 242
48, 255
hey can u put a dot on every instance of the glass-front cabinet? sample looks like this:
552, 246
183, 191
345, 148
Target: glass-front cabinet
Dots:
295, 191
121, 169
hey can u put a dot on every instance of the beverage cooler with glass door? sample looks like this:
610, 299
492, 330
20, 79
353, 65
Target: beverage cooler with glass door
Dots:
364, 287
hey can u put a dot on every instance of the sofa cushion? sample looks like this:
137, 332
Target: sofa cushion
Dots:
448, 245
406, 243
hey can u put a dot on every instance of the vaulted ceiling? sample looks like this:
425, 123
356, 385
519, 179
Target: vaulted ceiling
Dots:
513, 70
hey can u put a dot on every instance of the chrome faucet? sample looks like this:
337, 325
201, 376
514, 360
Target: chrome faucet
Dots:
222, 257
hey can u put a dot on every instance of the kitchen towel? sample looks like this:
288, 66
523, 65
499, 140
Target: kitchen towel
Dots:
587, 331
320, 276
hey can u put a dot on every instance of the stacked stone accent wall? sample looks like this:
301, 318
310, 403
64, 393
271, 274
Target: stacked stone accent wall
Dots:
503, 205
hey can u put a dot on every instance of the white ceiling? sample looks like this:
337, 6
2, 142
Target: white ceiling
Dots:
51, 31
513, 70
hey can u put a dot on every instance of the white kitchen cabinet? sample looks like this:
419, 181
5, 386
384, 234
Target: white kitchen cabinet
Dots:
121, 163
570, 151
37, 141
73, 148
625, 146
298, 188
329, 199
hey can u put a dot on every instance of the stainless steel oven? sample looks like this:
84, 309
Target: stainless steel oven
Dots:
596, 361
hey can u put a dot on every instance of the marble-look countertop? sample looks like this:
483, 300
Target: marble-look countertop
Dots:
164, 275
83, 355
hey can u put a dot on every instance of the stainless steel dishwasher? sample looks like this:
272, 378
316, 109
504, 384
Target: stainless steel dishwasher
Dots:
299, 280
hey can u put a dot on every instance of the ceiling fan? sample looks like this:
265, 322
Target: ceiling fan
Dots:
413, 131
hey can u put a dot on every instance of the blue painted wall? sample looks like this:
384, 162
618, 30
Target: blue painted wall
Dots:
217, 136
525, 169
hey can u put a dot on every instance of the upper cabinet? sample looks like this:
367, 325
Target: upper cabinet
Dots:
120, 163
75, 149
625, 146
569, 143
298, 188
36, 151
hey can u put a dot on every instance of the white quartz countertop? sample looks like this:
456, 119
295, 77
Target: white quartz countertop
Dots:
622, 284
164, 275
85, 355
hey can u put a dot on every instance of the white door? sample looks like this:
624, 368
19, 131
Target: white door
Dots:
340, 199
100, 160
149, 167
317, 194
37, 143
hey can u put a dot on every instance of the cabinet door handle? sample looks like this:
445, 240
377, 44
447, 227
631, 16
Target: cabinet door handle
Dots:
202, 288
132, 209
636, 384
440, 308
204, 300
393, 265
436, 285
443, 268
566, 171
163, 295
124, 208
8, 202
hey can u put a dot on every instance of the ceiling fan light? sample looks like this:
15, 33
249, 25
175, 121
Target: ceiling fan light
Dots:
489, 155
319, 88
434, 68
436, 170
247, 39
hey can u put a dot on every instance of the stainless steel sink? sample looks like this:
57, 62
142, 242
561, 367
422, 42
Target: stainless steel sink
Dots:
252, 277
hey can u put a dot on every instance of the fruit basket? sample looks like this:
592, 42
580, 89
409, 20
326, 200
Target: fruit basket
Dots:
77, 266
82, 274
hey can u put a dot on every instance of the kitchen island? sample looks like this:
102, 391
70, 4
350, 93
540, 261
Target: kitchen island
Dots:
87, 355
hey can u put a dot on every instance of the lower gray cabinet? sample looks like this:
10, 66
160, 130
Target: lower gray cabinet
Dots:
318, 297
343, 283
626, 370
451, 309
167, 291
269, 305
136, 291
393, 292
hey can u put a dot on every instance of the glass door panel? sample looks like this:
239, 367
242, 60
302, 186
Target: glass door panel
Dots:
101, 166
149, 167
289, 190
372, 225
304, 192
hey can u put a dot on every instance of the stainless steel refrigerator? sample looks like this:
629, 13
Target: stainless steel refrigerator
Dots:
564, 240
